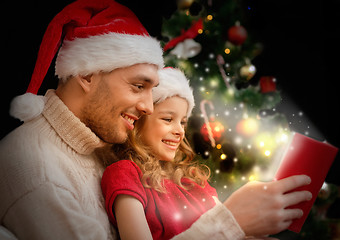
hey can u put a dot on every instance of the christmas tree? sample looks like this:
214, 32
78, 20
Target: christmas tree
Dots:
236, 129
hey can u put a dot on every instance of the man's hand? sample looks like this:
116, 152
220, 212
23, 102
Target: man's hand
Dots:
260, 208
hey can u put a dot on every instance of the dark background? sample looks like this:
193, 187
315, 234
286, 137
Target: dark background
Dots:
301, 49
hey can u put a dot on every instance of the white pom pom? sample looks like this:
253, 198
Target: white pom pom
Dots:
27, 106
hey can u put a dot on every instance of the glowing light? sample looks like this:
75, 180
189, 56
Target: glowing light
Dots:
218, 146
227, 51
230, 92
284, 137
267, 153
223, 156
209, 17
177, 216
238, 140
267, 140
200, 31
213, 83
247, 127
252, 178
217, 171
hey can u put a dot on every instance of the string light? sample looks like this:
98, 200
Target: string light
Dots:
267, 153
209, 17
252, 178
227, 51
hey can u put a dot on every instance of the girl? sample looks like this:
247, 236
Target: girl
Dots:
158, 186
158, 191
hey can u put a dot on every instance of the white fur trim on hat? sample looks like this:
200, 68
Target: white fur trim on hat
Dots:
106, 52
27, 106
172, 82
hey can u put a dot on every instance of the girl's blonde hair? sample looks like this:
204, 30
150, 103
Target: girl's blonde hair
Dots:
155, 171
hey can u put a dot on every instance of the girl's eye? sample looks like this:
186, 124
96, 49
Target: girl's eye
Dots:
167, 119
184, 123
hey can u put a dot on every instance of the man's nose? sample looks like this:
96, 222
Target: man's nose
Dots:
145, 105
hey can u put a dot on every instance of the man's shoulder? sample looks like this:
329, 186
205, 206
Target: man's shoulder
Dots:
27, 137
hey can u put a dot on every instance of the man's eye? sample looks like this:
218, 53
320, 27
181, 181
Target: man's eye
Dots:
139, 86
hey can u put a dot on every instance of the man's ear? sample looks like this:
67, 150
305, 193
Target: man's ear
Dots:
85, 82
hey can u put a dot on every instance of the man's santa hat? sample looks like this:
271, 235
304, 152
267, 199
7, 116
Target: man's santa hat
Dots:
173, 82
95, 36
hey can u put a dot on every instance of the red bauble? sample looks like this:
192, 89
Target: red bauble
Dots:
217, 129
237, 34
267, 84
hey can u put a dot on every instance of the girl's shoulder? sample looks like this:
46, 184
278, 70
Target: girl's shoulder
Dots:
123, 169
123, 177
125, 164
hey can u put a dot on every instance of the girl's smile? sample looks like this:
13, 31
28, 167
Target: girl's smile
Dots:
166, 126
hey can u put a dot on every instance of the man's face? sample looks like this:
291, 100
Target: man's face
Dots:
118, 100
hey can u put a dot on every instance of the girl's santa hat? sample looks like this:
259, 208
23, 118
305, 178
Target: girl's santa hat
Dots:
95, 35
173, 82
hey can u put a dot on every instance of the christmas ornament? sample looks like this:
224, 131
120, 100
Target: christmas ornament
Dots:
237, 34
248, 71
220, 63
186, 49
211, 130
216, 128
247, 127
191, 33
267, 84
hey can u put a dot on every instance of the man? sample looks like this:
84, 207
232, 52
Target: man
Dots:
50, 173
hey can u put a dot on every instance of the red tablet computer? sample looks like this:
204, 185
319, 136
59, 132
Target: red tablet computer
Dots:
308, 156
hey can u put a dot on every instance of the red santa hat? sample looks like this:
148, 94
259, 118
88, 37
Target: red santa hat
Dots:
173, 82
95, 35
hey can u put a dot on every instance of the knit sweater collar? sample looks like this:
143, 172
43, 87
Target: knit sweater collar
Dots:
74, 132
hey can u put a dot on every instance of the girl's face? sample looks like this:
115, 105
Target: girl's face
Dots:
163, 130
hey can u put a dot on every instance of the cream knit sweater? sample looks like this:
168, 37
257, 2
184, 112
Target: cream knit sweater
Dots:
50, 183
